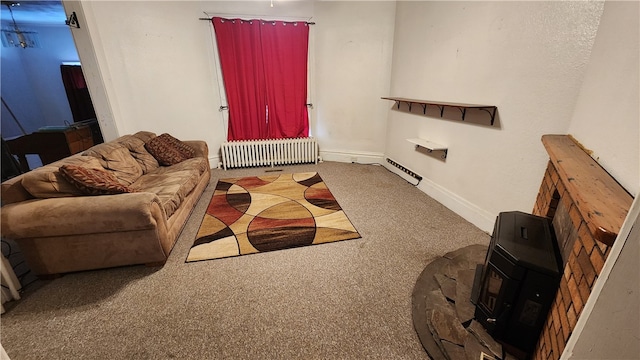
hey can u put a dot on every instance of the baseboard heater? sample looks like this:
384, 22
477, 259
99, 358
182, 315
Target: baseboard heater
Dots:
405, 170
269, 152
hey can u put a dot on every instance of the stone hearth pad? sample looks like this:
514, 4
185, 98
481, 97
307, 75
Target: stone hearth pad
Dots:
442, 310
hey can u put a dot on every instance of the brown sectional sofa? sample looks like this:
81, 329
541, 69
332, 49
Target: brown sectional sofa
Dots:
59, 229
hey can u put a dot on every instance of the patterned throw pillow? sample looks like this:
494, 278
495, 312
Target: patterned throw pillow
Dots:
93, 181
169, 150
184, 149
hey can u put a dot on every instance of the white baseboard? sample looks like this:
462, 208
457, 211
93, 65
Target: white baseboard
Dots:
467, 210
214, 162
352, 156
470, 212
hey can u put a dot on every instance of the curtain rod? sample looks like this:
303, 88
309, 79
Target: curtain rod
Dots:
306, 22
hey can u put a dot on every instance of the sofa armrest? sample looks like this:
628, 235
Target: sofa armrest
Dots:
81, 215
200, 146
12, 191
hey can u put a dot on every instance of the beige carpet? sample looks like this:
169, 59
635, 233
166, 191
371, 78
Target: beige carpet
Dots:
343, 300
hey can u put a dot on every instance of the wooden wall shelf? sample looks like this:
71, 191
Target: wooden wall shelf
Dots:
602, 202
490, 109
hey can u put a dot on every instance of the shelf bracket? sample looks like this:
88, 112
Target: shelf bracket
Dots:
444, 151
429, 147
463, 111
492, 113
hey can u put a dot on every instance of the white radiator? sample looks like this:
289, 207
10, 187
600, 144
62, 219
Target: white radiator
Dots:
270, 152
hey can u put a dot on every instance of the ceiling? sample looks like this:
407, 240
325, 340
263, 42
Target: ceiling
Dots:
34, 12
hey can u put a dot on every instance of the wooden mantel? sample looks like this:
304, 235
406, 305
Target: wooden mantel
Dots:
602, 202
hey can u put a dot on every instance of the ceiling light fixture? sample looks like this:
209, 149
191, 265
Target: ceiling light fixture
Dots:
15, 35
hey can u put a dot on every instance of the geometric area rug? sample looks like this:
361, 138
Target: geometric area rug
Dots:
266, 213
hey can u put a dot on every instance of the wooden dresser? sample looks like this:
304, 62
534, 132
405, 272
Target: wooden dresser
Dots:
51, 144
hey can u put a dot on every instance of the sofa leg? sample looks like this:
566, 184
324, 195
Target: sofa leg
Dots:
155, 264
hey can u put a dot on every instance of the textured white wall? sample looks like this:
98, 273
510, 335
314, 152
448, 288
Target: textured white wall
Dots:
527, 58
606, 120
607, 115
354, 44
158, 67
154, 64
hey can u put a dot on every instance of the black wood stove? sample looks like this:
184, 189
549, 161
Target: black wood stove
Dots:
514, 288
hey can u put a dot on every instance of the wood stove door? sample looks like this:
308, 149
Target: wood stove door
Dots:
530, 310
495, 299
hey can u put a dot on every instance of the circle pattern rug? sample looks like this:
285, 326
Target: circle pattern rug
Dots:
266, 213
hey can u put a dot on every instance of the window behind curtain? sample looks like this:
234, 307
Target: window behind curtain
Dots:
264, 68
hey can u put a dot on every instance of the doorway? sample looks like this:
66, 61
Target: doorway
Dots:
37, 48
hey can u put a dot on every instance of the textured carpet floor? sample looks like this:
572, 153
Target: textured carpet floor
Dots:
264, 213
344, 300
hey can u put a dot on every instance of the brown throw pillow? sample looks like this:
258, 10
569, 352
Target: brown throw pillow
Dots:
184, 149
169, 150
93, 181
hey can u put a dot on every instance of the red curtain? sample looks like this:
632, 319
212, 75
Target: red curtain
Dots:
264, 67
284, 46
242, 70
77, 93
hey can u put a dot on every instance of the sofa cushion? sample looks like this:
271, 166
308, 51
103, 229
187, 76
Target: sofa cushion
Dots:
169, 150
47, 182
93, 181
136, 147
117, 158
170, 186
198, 163
145, 136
